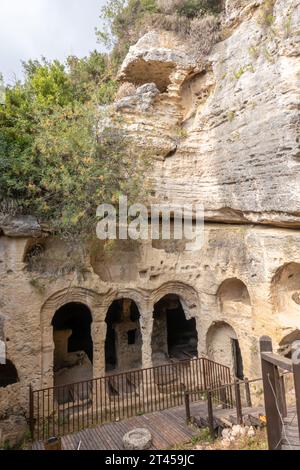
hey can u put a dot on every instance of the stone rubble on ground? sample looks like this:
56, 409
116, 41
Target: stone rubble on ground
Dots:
229, 435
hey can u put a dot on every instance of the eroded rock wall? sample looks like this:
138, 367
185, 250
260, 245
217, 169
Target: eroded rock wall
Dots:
224, 131
206, 282
236, 113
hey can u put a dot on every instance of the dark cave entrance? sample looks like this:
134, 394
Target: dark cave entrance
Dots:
123, 344
72, 332
173, 337
8, 374
237, 359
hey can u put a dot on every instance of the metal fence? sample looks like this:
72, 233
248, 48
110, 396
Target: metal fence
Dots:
61, 410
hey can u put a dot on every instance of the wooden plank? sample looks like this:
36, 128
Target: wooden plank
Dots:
180, 427
67, 443
95, 442
270, 376
111, 432
101, 437
159, 437
157, 430
167, 427
180, 422
277, 360
287, 447
85, 442
104, 437
174, 433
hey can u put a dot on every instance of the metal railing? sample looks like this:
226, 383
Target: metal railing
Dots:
66, 409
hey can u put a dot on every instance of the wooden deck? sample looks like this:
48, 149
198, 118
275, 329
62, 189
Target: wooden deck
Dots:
290, 434
167, 427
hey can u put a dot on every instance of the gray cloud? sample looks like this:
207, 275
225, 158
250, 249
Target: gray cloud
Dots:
30, 29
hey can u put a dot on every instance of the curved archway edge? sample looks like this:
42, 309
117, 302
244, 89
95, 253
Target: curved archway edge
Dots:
98, 304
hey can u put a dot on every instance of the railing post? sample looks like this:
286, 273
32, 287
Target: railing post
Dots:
296, 373
204, 373
270, 378
283, 397
238, 402
223, 397
248, 393
210, 414
31, 412
187, 407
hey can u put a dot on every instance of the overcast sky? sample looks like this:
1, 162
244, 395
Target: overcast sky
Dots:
30, 29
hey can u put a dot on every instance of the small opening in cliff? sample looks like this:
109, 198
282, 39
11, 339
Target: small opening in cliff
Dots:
233, 290
173, 335
8, 374
157, 72
131, 336
195, 91
123, 344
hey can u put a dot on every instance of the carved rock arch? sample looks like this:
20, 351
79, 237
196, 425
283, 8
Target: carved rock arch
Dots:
219, 338
87, 297
187, 295
138, 296
235, 290
285, 291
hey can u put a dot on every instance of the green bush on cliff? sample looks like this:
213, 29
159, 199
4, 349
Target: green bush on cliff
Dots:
53, 164
125, 20
193, 8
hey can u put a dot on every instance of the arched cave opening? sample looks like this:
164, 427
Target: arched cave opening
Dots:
223, 347
123, 344
173, 336
72, 334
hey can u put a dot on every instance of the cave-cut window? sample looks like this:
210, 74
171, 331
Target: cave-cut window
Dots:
233, 290
131, 335
285, 289
174, 336
123, 344
8, 374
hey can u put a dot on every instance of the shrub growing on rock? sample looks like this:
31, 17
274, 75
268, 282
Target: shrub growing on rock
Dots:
204, 33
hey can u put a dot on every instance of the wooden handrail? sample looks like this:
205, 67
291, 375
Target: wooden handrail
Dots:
220, 387
274, 390
277, 360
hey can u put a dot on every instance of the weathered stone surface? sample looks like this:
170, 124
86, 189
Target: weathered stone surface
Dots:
154, 58
242, 147
241, 143
20, 226
225, 134
13, 431
141, 100
137, 439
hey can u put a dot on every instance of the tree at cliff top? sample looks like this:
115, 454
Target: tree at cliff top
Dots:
126, 20
53, 162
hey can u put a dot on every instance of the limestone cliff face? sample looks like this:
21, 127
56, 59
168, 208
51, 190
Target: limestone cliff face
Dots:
225, 128
224, 131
